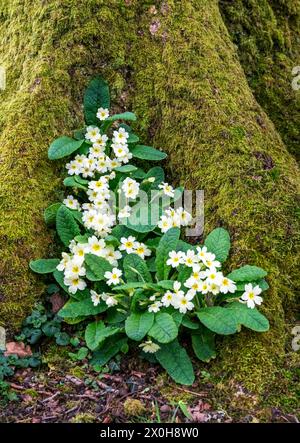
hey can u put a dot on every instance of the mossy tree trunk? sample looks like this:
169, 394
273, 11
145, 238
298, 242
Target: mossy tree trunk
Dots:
267, 35
174, 64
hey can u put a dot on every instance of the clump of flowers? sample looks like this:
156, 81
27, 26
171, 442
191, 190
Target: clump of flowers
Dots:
132, 279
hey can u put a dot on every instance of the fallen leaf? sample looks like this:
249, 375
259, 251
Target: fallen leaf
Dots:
57, 302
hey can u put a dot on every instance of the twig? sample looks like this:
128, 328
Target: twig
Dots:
198, 394
90, 397
51, 398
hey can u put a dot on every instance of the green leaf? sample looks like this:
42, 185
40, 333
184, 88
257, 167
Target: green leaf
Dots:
66, 226
115, 316
129, 116
135, 269
62, 339
158, 173
148, 153
247, 273
184, 273
97, 332
164, 328
80, 355
218, 242
111, 347
167, 243
166, 284
50, 213
250, 318
175, 360
219, 320
83, 308
143, 218
131, 285
111, 240
44, 266
62, 147
138, 324
72, 182
126, 168
151, 264
139, 174
96, 96
203, 342
133, 138
121, 231
77, 215
96, 267
81, 238
188, 323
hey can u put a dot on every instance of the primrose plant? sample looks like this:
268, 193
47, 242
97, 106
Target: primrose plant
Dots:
133, 280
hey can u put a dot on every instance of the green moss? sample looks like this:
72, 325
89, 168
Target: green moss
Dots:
133, 407
84, 417
267, 34
56, 357
50, 52
77, 372
32, 392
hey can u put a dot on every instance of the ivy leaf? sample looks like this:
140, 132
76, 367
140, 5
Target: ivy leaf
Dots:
167, 243
44, 266
96, 333
218, 242
247, 273
66, 226
175, 360
250, 318
203, 342
96, 96
135, 269
219, 320
148, 153
164, 328
138, 324
96, 267
62, 147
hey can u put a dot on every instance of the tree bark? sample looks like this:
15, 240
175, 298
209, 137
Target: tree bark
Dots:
174, 64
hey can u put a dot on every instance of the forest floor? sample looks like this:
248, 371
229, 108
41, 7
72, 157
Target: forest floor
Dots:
62, 390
